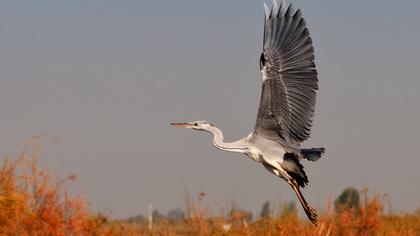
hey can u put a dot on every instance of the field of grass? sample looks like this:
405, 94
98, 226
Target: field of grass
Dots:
35, 202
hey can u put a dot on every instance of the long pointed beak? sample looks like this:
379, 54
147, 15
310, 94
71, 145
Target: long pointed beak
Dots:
182, 124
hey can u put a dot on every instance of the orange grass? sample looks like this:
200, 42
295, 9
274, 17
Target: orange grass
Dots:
35, 202
370, 219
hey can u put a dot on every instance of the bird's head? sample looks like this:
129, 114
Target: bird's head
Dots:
197, 125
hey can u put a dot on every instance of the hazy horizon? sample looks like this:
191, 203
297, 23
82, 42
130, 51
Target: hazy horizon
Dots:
106, 78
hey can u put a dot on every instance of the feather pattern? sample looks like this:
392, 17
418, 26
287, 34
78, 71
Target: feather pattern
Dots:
289, 88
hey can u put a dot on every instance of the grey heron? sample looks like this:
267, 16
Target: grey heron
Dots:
287, 104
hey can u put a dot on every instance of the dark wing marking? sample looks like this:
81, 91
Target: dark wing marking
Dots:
293, 167
289, 77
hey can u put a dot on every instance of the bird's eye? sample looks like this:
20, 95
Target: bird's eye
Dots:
195, 124
262, 60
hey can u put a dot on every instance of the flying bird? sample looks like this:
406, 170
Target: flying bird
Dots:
287, 104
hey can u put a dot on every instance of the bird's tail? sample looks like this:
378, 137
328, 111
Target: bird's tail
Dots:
312, 154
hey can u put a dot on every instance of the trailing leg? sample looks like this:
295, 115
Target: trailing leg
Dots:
310, 212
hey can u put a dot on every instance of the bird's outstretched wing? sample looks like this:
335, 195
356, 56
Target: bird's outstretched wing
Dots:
289, 77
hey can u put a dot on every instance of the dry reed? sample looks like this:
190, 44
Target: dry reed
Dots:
35, 202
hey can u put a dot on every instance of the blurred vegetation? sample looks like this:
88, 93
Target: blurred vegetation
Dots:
348, 199
35, 202
176, 215
265, 210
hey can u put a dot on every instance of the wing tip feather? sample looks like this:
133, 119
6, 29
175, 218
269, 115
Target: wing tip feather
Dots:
266, 12
281, 10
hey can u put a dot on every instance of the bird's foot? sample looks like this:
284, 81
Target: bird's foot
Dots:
312, 215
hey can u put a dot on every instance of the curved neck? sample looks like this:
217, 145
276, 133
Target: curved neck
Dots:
237, 146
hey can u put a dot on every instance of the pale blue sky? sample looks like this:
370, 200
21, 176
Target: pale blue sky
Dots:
107, 77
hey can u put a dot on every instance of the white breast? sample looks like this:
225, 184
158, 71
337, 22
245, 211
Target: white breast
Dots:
271, 151
255, 154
